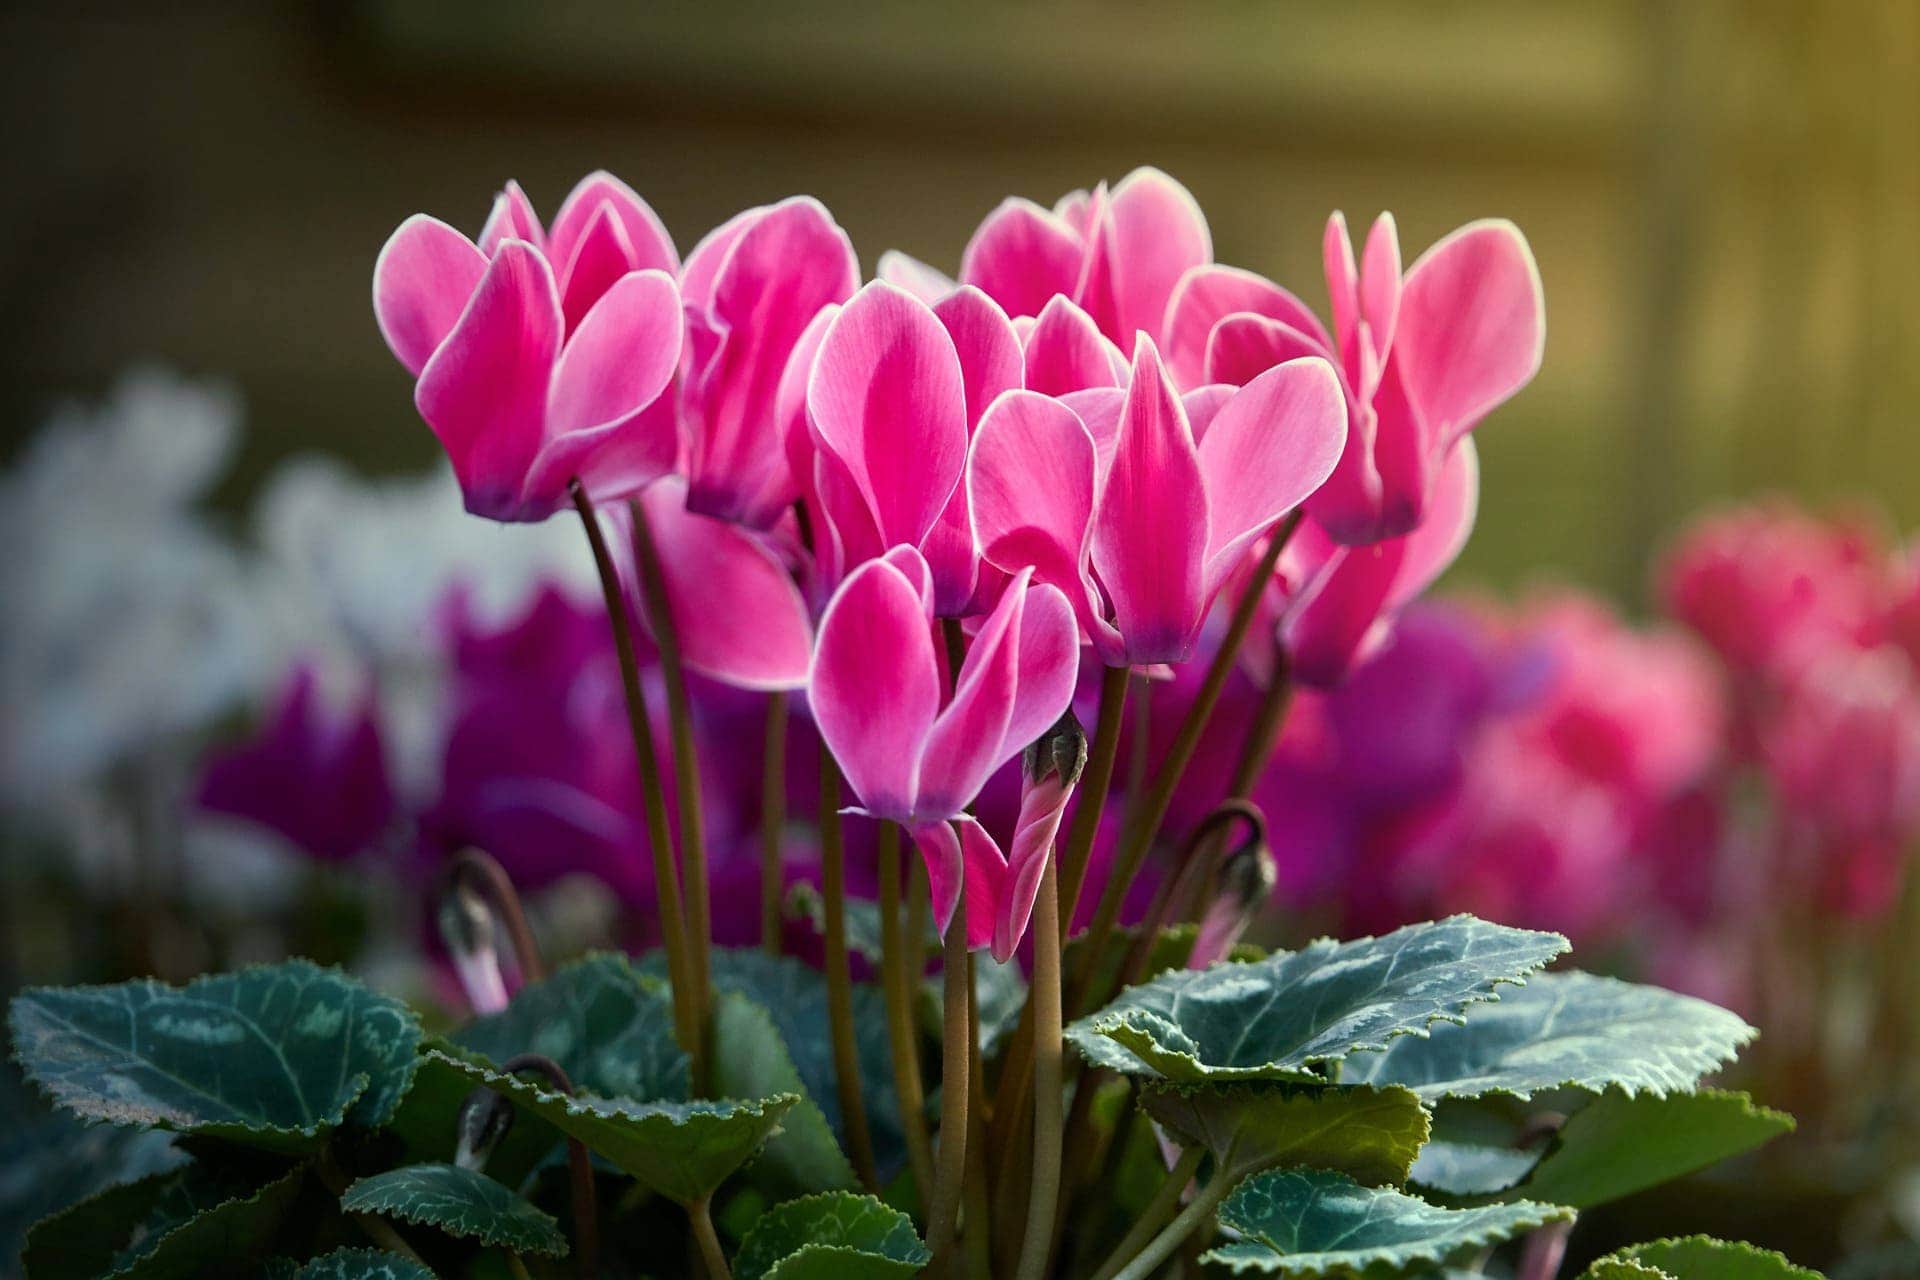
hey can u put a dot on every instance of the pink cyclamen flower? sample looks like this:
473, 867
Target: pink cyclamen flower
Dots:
917, 753
751, 289
1117, 255
1139, 503
313, 775
1422, 357
540, 357
1334, 606
891, 400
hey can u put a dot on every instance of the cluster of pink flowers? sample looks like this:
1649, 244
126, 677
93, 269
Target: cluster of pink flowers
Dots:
1075, 448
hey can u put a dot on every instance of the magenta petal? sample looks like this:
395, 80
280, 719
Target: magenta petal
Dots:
1404, 457
511, 218
1442, 535
1244, 346
1151, 233
1150, 522
1209, 294
703, 265
968, 739
905, 271
790, 401
622, 356
484, 392
1269, 447
1472, 326
946, 865
1030, 481
1380, 283
1326, 628
1099, 410
983, 338
1041, 805
1021, 256
777, 274
421, 282
739, 613
650, 246
1049, 665
1067, 352
969, 863
888, 398
1203, 404
603, 255
875, 685
1343, 283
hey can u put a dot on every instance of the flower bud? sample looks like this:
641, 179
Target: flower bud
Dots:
1061, 751
483, 1120
1247, 877
467, 926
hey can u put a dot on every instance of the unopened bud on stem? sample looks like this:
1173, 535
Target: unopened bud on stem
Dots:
1061, 750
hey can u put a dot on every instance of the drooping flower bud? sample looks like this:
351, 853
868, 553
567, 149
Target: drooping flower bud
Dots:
467, 926
1247, 877
1050, 767
1061, 750
484, 1118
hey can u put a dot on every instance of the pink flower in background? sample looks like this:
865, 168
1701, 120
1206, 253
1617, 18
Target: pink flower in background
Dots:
1139, 503
315, 775
1117, 255
916, 752
1422, 357
751, 289
892, 399
539, 357
1333, 606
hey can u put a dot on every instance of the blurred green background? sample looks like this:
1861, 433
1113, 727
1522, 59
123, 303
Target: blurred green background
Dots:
1724, 197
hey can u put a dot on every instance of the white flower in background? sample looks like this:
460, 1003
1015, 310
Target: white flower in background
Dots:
128, 617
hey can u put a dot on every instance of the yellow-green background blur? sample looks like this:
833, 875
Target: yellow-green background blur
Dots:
1724, 197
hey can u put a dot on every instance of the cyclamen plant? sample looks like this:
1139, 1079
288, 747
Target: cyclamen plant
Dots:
918, 509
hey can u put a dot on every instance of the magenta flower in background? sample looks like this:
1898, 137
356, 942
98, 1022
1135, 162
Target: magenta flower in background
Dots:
916, 752
316, 775
1422, 357
539, 357
1138, 503
751, 288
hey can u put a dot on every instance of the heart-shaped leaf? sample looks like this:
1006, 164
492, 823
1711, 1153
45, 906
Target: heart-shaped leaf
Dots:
836, 1236
275, 1055
460, 1202
1563, 1029
609, 1027
170, 1226
1283, 1017
1312, 1222
1702, 1258
363, 1264
49, 1160
1619, 1144
751, 1061
1170, 949
1622, 1269
683, 1150
1369, 1134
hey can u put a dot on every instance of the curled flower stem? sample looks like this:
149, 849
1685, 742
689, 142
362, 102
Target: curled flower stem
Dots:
955, 1055
711, 1254
686, 761
1197, 859
1045, 997
586, 1204
1155, 1215
483, 871
1153, 810
846, 1056
773, 820
897, 967
666, 878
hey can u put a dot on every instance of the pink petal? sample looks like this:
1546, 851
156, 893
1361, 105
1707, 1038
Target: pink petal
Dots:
1030, 481
778, 273
1209, 294
1150, 521
888, 398
1041, 805
1049, 664
790, 400
971, 861
968, 739
1022, 255
603, 255
983, 338
739, 613
1380, 283
875, 685
1066, 352
907, 272
1244, 346
1404, 458
1150, 234
1343, 282
511, 218
650, 246
703, 265
1203, 404
1269, 447
421, 282
1076, 210
1443, 534
1099, 409
1326, 628
1472, 326
484, 391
